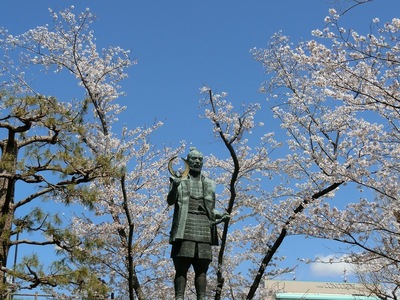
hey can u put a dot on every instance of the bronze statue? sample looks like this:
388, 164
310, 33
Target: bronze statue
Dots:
194, 222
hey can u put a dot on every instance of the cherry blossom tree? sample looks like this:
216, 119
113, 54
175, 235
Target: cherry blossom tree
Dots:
74, 158
120, 241
337, 101
337, 96
53, 149
131, 218
262, 209
242, 175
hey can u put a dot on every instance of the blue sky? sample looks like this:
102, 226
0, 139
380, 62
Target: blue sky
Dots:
181, 46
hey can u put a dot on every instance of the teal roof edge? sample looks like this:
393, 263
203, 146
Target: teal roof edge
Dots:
322, 296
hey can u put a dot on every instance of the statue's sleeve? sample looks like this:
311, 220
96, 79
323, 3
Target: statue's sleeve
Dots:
172, 194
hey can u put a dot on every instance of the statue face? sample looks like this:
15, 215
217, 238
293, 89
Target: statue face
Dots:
195, 162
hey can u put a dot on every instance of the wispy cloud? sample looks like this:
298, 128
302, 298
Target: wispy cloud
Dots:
331, 266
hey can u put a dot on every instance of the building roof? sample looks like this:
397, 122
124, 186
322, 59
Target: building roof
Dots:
307, 290
284, 296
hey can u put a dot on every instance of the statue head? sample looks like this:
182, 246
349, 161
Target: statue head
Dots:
195, 160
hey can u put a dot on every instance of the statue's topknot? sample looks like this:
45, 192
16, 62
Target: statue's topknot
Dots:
193, 150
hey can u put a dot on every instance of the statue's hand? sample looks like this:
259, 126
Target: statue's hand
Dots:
175, 181
225, 217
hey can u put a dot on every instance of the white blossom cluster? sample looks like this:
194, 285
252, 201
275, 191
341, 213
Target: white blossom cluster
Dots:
339, 101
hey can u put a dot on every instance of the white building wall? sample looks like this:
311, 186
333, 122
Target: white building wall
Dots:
318, 288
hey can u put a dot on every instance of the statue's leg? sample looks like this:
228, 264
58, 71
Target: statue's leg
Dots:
200, 268
182, 265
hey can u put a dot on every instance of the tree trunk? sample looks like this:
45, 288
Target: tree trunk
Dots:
7, 186
271, 252
133, 280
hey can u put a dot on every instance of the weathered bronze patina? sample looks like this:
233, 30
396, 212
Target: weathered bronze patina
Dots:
194, 222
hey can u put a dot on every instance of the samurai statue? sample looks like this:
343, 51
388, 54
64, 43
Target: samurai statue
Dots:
194, 222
